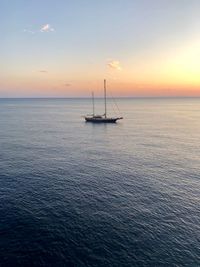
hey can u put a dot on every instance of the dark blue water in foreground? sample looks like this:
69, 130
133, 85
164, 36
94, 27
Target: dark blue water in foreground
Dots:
78, 194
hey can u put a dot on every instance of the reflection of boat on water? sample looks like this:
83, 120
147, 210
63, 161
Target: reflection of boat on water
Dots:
101, 118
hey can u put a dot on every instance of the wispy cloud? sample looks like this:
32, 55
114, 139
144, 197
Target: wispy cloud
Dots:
114, 64
67, 84
28, 31
43, 28
46, 28
43, 71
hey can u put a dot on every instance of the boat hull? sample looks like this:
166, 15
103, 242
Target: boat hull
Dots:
101, 120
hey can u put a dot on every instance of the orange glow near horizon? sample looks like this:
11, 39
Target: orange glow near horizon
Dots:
172, 74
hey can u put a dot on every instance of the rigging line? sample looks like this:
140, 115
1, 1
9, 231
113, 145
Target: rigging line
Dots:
114, 107
115, 102
114, 110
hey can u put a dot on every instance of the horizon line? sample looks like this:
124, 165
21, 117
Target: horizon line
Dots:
98, 97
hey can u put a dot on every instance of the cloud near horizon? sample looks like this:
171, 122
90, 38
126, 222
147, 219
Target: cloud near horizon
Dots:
43, 71
114, 64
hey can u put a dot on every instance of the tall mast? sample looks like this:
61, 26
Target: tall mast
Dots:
105, 98
93, 103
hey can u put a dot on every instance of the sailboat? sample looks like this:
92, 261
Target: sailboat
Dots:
101, 118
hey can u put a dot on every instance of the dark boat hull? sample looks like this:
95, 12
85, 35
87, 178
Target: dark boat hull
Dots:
101, 120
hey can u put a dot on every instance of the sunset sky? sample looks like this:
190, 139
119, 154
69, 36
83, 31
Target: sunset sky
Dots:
62, 48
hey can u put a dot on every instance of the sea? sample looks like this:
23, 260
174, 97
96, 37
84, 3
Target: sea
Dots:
116, 195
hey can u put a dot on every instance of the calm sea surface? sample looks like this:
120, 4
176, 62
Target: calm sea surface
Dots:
80, 194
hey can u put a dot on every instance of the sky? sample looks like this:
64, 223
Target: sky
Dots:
62, 48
